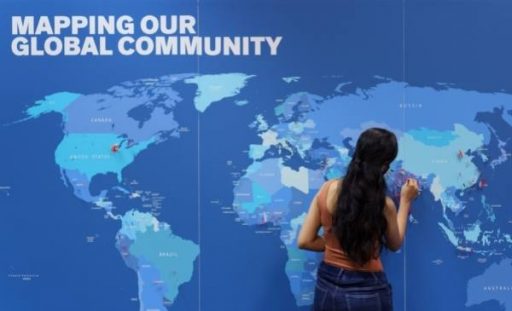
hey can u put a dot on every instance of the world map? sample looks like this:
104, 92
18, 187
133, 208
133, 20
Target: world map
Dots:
260, 148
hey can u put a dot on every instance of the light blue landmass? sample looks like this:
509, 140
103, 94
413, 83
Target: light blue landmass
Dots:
213, 88
441, 160
56, 102
432, 137
494, 284
91, 154
260, 197
166, 252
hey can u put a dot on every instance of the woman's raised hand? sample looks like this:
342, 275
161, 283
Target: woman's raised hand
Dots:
410, 190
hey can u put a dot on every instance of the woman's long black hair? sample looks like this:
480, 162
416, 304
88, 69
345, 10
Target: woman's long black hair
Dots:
359, 222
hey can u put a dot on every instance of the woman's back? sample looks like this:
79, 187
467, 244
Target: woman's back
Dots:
334, 253
358, 219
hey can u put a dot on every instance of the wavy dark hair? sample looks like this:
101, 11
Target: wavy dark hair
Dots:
358, 221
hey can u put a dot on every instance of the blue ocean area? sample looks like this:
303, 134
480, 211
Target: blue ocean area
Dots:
181, 182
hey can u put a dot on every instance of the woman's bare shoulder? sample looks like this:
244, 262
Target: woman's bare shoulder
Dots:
333, 186
332, 193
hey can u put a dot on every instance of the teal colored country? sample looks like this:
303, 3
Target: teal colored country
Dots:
91, 154
168, 253
56, 102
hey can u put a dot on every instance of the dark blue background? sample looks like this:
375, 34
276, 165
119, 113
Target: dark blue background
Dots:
43, 226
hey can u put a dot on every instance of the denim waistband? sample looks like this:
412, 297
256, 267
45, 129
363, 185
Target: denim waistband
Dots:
329, 275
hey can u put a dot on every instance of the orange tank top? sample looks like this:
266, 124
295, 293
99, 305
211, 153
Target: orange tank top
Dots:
333, 254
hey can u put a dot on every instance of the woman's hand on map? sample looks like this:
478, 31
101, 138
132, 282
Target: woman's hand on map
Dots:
410, 190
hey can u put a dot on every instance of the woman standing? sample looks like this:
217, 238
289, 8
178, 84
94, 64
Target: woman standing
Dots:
358, 220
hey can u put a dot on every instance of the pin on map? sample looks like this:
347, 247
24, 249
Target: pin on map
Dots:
483, 184
460, 154
115, 148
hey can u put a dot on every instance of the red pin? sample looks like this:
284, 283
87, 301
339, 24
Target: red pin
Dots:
483, 183
114, 148
460, 154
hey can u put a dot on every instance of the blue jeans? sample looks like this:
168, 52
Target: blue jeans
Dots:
343, 290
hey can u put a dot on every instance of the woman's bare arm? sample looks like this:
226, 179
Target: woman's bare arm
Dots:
308, 236
397, 221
